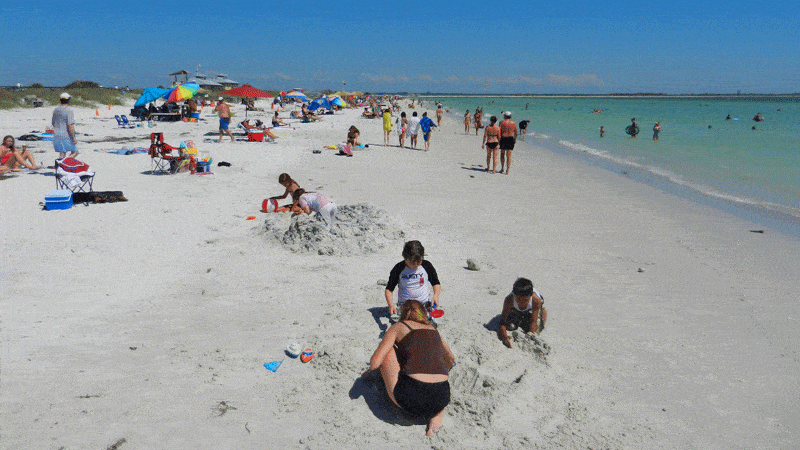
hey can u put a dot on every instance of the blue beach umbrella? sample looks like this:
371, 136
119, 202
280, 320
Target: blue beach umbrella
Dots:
321, 102
149, 95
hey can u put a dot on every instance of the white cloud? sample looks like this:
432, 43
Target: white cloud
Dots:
284, 76
579, 80
383, 78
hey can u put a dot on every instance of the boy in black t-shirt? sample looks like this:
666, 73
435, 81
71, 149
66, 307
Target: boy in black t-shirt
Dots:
415, 276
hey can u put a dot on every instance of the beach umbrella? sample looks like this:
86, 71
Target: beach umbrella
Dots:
336, 100
149, 95
246, 90
182, 92
321, 102
298, 95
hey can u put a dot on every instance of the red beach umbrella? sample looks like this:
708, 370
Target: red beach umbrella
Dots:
246, 90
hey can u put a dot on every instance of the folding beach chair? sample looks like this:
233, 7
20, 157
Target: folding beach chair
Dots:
164, 157
120, 123
73, 175
126, 123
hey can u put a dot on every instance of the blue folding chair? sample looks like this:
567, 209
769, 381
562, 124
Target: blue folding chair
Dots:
119, 121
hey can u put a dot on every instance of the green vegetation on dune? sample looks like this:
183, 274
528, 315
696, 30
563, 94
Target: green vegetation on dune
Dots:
84, 93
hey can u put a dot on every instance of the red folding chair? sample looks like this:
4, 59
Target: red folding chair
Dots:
164, 157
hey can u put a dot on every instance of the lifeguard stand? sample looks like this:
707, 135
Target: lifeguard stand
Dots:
179, 77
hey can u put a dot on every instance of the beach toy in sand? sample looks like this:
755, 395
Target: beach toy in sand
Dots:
294, 349
273, 366
436, 313
307, 355
394, 318
251, 217
269, 205
97, 111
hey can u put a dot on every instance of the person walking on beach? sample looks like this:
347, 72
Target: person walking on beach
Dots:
224, 112
656, 130
413, 129
467, 122
402, 123
439, 114
508, 137
478, 120
491, 140
63, 121
427, 125
387, 125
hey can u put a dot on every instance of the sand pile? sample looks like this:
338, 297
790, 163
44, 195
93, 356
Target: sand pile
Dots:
359, 229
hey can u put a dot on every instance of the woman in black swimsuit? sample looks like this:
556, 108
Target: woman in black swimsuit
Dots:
491, 140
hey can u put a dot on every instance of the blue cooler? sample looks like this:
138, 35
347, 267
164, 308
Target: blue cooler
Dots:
60, 199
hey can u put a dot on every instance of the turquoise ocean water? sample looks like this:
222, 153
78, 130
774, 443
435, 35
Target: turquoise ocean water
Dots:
728, 165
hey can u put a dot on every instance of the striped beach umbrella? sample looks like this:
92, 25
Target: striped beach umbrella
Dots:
182, 92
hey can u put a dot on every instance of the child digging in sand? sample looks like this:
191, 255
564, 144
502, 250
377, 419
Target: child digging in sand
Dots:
271, 204
523, 309
415, 276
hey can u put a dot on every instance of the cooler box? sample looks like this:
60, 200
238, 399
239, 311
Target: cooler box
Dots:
60, 199
255, 136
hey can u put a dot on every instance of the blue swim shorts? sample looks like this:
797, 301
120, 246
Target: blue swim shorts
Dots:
223, 123
64, 145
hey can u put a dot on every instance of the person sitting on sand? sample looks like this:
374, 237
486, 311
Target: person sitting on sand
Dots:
415, 276
352, 136
415, 363
308, 114
296, 114
259, 126
11, 158
523, 309
308, 202
276, 121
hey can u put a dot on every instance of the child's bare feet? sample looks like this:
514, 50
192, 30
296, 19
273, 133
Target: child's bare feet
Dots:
434, 425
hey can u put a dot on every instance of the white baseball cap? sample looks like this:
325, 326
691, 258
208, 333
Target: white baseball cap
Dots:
66, 96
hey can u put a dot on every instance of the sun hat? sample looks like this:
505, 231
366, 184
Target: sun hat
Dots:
507, 114
66, 96
221, 98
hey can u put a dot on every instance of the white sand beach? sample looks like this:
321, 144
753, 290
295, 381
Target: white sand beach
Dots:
146, 324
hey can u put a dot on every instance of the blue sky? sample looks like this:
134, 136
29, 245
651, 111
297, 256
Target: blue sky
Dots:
448, 46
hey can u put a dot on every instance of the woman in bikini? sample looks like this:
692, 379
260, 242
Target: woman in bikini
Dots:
467, 121
491, 141
415, 363
11, 157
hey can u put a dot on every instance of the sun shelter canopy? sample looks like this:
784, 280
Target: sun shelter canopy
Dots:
246, 90
321, 102
149, 95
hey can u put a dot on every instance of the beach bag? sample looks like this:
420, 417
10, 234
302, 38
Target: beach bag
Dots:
73, 165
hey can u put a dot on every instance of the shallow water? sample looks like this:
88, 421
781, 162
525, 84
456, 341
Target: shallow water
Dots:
698, 150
